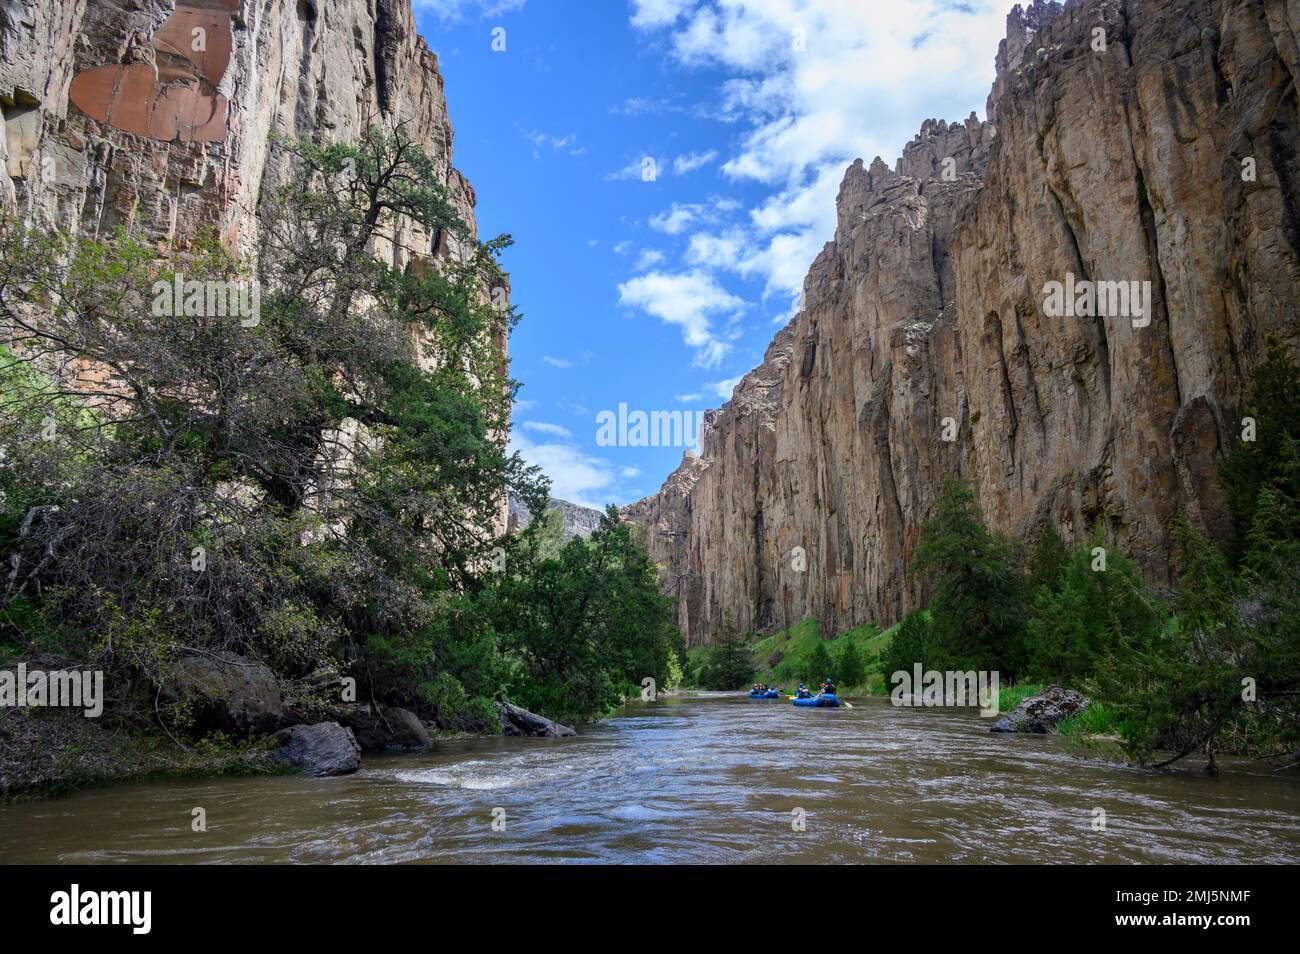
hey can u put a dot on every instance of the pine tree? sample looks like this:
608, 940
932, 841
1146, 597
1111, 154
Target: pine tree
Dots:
980, 595
851, 667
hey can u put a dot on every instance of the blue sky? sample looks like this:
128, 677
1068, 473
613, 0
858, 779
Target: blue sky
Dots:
658, 286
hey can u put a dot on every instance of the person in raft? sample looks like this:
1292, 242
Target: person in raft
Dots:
803, 692
828, 687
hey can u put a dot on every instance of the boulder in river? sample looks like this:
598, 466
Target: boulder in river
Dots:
516, 720
381, 728
226, 691
325, 748
1043, 712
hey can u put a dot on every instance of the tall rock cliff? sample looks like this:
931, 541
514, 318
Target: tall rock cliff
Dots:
160, 114
1135, 141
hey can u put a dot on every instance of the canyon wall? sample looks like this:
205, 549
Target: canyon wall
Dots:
160, 115
1128, 140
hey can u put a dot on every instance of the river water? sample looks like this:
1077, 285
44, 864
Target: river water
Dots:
695, 778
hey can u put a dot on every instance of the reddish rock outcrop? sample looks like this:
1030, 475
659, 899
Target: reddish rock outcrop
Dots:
118, 112
1170, 157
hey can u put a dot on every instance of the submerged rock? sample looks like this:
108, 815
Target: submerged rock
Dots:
1043, 712
323, 749
519, 721
226, 691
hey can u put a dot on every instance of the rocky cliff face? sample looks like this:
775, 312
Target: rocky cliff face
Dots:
575, 520
1135, 141
160, 114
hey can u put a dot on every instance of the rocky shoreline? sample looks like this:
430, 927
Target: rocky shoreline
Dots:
245, 723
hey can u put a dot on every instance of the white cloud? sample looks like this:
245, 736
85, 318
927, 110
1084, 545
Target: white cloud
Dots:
682, 214
636, 168
723, 389
687, 300
541, 427
623, 247
688, 398
541, 140
677, 218
689, 162
576, 476
653, 13
649, 258
642, 105
453, 10
556, 362
819, 83
627, 473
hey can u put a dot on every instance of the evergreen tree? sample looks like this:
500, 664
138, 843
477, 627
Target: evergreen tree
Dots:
914, 642
729, 665
817, 665
1074, 624
851, 667
980, 594
1048, 560
1274, 405
1225, 672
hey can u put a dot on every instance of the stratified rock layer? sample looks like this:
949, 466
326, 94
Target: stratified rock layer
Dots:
924, 319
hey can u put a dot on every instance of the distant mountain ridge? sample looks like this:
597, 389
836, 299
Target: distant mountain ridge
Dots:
578, 521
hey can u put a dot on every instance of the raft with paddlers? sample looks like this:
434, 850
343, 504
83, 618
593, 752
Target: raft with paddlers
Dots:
762, 691
824, 699
819, 701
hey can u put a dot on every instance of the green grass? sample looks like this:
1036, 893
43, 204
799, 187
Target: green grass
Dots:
1011, 696
1097, 719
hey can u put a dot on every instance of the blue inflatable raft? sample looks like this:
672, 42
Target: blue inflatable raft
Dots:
823, 701
770, 694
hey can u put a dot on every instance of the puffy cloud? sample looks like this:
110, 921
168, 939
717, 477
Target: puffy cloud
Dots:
682, 214
820, 83
648, 258
688, 300
556, 362
576, 476
653, 13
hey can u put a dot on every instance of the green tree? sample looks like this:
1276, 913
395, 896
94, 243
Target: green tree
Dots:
817, 665
584, 625
314, 487
1274, 406
1074, 624
1047, 563
914, 643
1224, 674
980, 595
851, 667
729, 664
